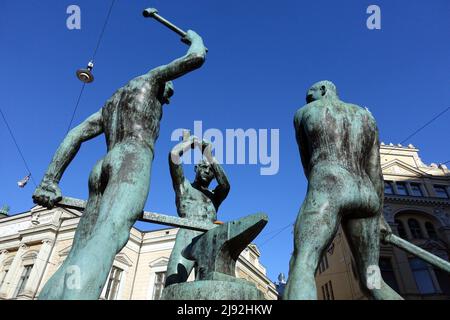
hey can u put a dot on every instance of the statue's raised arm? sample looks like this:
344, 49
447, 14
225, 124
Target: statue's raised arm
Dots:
120, 181
193, 59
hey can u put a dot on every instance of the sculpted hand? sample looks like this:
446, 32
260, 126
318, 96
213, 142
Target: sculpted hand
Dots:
195, 142
385, 229
47, 194
191, 36
207, 150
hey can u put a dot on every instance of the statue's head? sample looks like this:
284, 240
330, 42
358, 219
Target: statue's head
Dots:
203, 173
168, 92
320, 90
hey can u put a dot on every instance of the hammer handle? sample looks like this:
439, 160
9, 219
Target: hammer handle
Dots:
148, 13
169, 25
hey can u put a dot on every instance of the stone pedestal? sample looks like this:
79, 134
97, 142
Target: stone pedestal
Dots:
212, 290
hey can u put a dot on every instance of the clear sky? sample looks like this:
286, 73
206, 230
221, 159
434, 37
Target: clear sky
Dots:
263, 56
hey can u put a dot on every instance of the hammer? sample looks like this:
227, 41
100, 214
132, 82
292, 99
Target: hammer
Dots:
153, 13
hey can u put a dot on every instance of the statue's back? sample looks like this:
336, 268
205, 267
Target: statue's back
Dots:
338, 132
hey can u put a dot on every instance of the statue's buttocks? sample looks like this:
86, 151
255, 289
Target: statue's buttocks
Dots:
119, 183
339, 150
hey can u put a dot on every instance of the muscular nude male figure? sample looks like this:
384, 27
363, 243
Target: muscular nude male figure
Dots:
119, 183
339, 149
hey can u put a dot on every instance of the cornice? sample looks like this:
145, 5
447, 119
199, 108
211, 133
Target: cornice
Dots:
416, 200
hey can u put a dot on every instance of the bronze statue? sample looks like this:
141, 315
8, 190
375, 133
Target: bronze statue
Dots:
194, 201
339, 149
119, 183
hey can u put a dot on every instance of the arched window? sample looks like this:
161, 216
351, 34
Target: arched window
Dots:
401, 229
414, 226
431, 230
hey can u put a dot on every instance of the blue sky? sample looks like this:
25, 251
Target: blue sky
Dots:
263, 56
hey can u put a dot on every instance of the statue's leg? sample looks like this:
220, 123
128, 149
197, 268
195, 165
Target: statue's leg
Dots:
364, 239
315, 227
179, 267
128, 170
54, 287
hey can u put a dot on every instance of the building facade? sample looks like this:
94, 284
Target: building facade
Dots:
34, 244
417, 207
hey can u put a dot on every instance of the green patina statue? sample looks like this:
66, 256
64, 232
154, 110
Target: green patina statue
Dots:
339, 149
194, 201
119, 183
213, 253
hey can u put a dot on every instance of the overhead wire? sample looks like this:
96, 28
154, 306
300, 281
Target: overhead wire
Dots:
100, 38
17, 146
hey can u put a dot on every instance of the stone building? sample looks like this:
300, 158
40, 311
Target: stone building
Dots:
34, 244
417, 207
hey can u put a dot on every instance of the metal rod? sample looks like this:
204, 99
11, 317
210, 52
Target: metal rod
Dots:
153, 13
176, 222
153, 217
417, 251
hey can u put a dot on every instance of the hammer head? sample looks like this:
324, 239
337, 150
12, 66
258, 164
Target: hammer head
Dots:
149, 12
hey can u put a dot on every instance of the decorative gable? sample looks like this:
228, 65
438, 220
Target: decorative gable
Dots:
397, 167
160, 262
123, 258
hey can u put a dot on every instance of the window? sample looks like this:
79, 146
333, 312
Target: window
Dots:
416, 191
431, 231
422, 276
327, 291
387, 272
160, 279
23, 280
323, 265
401, 189
401, 229
388, 189
444, 280
113, 283
414, 226
441, 192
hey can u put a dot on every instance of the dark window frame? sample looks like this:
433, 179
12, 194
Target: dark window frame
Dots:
430, 227
416, 230
422, 267
23, 279
404, 187
158, 285
112, 289
413, 185
389, 185
443, 188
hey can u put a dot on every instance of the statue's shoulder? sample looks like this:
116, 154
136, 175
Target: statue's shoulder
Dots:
364, 112
303, 110
299, 115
